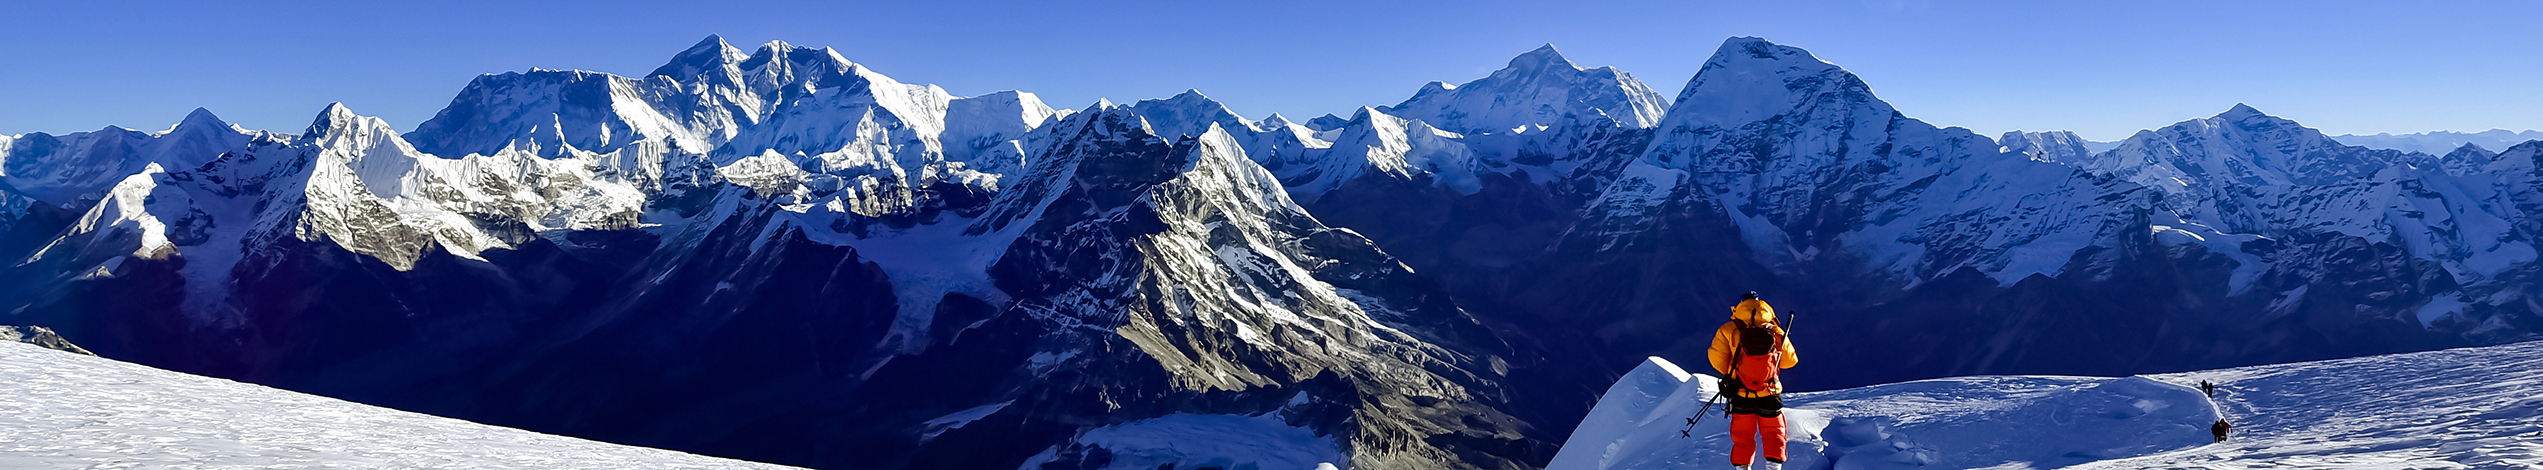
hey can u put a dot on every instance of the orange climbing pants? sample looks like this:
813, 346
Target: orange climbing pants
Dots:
1747, 429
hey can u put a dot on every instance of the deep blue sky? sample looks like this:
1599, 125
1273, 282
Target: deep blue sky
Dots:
2104, 69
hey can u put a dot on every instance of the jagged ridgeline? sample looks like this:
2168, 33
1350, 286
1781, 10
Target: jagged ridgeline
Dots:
782, 255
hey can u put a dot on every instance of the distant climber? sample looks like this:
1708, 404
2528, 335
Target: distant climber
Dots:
2220, 428
1751, 351
2209, 387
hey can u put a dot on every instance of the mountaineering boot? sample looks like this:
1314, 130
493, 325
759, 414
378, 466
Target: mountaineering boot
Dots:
1739, 467
1770, 465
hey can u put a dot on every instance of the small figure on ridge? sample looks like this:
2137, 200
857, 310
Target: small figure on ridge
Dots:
1751, 351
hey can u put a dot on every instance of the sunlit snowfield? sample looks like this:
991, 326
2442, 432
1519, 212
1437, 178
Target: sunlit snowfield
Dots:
62, 410
2457, 408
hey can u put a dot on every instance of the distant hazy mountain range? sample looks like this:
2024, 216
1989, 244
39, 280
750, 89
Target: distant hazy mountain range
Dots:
2441, 142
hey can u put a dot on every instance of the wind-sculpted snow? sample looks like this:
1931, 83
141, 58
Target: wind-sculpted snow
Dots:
71, 411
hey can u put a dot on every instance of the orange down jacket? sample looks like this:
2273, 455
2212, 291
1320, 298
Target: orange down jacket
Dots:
1723, 353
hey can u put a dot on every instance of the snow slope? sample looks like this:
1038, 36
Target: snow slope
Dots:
72, 411
1966, 422
2457, 408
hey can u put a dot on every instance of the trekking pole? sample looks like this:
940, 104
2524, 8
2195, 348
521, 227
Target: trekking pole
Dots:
1699, 413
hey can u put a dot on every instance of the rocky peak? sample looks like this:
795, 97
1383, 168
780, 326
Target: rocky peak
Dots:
41, 336
1327, 122
1538, 88
1749, 79
1543, 58
2467, 159
1274, 121
2050, 146
710, 61
778, 65
1188, 114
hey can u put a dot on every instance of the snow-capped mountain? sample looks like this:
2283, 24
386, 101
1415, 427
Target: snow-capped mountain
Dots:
72, 411
1805, 162
2233, 240
575, 252
2211, 169
1539, 88
2051, 146
786, 256
68, 169
2371, 412
2441, 142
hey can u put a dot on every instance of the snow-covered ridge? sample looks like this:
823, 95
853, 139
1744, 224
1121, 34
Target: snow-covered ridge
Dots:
2461, 406
72, 411
2468, 407
1969, 422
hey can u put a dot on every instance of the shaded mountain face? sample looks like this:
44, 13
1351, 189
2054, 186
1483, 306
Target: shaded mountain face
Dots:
785, 256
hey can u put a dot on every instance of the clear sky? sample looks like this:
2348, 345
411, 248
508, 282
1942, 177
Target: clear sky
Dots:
2104, 69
